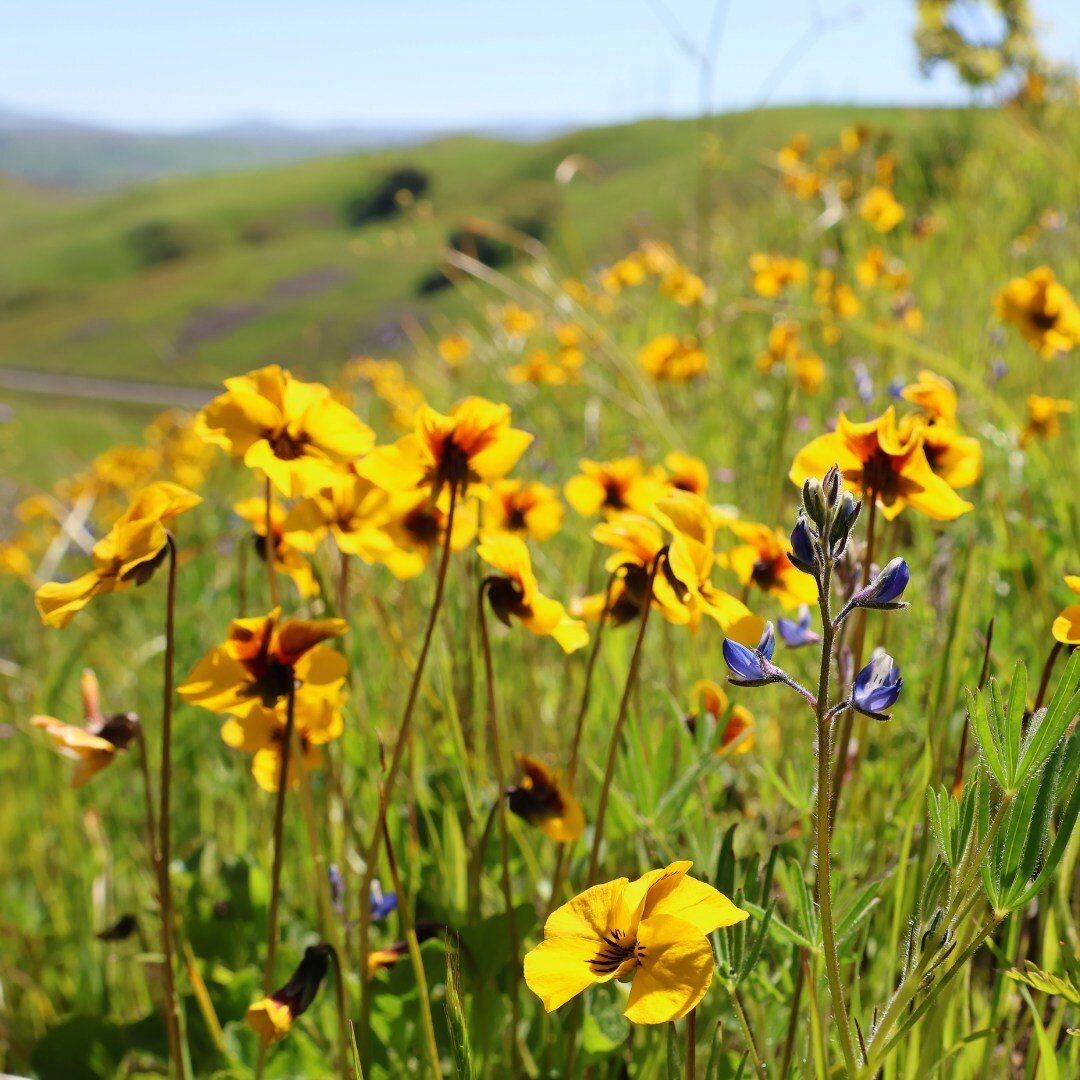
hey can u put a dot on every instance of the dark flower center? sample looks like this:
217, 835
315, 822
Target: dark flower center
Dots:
878, 474
616, 950
423, 525
515, 519
273, 683
452, 468
1042, 320
614, 497
764, 574
287, 447
505, 596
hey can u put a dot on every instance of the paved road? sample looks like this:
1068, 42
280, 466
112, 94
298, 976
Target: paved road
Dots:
90, 387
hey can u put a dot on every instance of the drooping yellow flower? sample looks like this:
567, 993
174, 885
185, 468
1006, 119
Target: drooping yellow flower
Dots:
524, 508
875, 456
671, 358
1042, 310
1044, 417
261, 659
612, 487
94, 746
1067, 625
14, 560
934, 395
287, 559
684, 472
541, 799
261, 732
516, 595
880, 209
771, 274
272, 1017
353, 511
466, 450
127, 555
761, 560
652, 931
737, 735
454, 348
416, 529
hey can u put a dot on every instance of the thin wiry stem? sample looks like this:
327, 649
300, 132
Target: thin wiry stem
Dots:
342, 1016
748, 1034
268, 549
504, 841
620, 721
385, 789
163, 855
279, 858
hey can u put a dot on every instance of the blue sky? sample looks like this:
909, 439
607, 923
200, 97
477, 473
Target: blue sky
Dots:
453, 63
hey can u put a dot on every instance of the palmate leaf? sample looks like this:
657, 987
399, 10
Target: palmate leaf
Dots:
1037, 979
1047, 728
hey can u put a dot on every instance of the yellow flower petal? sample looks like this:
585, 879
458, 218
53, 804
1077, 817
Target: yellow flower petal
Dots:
676, 970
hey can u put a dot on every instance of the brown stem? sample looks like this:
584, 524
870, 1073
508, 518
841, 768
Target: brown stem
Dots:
1047, 671
504, 841
163, 855
372, 853
620, 721
268, 549
279, 858
691, 1044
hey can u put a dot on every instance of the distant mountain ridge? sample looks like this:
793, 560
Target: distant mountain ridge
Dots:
68, 153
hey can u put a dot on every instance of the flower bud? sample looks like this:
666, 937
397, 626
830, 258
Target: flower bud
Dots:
813, 500
844, 518
831, 486
802, 553
884, 592
751, 667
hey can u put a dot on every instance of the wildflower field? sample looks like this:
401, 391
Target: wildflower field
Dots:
661, 662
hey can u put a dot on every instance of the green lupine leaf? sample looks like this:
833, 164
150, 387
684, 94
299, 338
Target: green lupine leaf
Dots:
1046, 730
1014, 719
1008, 844
984, 736
856, 913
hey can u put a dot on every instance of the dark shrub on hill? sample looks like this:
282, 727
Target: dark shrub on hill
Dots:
384, 200
155, 242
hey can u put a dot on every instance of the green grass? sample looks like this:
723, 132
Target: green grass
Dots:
74, 861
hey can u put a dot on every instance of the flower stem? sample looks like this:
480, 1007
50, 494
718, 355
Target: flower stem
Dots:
748, 1034
620, 721
691, 1044
824, 825
409, 933
504, 842
342, 1016
385, 789
279, 858
268, 549
163, 854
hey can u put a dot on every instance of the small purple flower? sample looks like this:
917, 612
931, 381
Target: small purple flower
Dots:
864, 385
797, 633
337, 889
802, 548
751, 667
381, 903
896, 388
884, 591
877, 686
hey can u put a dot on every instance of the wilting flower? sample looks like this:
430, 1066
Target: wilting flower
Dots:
353, 511
671, 358
261, 731
802, 554
517, 594
294, 431
652, 932
875, 456
771, 274
287, 559
1042, 310
795, 633
262, 660
543, 800
751, 666
389, 955
880, 209
94, 746
466, 450
762, 560
684, 472
1066, 627
737, 736
272, 1017
612, 487
523, 508
1044, 417
127, 555
877, 686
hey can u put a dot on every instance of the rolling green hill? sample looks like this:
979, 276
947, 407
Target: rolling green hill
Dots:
186, 280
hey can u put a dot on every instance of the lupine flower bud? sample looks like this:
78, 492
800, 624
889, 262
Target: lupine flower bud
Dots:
831, 486
751, 667
845, 516
381, 903
813, 500
802, 553
877, 686
796, 634
884, 592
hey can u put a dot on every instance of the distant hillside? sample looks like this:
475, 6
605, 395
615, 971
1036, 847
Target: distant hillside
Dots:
68, 154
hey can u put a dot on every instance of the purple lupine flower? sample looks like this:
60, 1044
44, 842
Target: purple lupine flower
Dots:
795, 633
864, 385
751, 667
337, 889
877, 686
884, 591
896, 388
802, 548
381, 903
